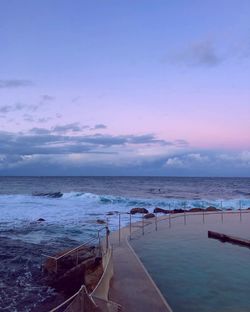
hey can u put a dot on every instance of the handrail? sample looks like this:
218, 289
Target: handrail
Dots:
75, 248
68, 300
92, 295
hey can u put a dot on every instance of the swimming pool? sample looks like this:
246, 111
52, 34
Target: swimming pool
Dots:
196, 273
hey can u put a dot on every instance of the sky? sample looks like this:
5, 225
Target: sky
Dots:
125, 87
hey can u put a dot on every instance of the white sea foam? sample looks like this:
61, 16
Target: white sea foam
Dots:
76, 210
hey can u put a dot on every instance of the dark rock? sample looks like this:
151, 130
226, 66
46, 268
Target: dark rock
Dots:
248, 208
211, 208
41, 220
195, 210
138, 210
112, 213
51, 195
100, 221
230, 209
178, 211
149, 215
161, 210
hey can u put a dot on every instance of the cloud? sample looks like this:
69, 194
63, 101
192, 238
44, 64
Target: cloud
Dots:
5, 109
202, 53
175, 162
121, 154
47, 97
99, 126
15, 83
52, 141
74, 127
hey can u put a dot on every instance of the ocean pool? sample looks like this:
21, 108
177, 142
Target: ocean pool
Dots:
194, 272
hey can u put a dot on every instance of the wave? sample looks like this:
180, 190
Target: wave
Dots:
243, 193
103, 200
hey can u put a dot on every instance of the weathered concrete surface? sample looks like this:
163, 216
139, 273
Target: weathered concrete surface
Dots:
131, 286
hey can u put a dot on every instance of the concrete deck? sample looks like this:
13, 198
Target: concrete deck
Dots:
132, 286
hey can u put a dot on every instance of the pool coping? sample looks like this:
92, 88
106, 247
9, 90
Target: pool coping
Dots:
147, 290
149, 276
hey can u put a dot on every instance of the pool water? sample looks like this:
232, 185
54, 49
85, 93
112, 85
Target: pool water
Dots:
197, 273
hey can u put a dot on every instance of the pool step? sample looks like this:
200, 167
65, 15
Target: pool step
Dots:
228, 238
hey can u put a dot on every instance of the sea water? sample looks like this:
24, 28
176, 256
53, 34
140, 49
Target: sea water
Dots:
87, 199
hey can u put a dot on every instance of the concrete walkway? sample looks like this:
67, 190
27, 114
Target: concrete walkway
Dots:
132, 286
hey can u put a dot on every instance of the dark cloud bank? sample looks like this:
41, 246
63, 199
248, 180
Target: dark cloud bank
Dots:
66, 150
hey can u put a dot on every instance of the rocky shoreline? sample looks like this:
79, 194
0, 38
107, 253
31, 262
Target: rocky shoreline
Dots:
22, 286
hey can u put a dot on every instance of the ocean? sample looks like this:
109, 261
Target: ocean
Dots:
71, 207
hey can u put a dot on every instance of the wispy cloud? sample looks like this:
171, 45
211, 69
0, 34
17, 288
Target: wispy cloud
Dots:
201, 53
99, 127
46, 97
15, 83
4, 109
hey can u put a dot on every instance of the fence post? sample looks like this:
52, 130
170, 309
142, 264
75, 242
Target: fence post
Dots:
185, 221
240, 211
169, 220
130, 226
107, 238
99, 242
119, 228
156, 225
203, 218
142, 224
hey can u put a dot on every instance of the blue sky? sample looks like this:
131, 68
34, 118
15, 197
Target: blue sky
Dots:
125, 87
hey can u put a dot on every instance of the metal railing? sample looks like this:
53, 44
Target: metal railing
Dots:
97, 300
140, 222
94, 245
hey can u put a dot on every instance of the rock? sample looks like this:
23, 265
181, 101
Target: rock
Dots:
161, 210
149, 215
230, 209
72, 279
138, 210
211, 208
111, 213
100, 221
248, 208
40, 220
177, 211
195, 210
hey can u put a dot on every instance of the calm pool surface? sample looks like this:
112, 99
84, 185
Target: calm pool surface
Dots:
196, 273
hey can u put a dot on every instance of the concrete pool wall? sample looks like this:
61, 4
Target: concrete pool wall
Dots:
185, 237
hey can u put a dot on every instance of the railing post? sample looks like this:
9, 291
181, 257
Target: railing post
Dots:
119, 228
99, 241
169, 220
156, 225
130, 226
203, 218
142, 224
185, 221
240, 211
221, 206
107, 238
